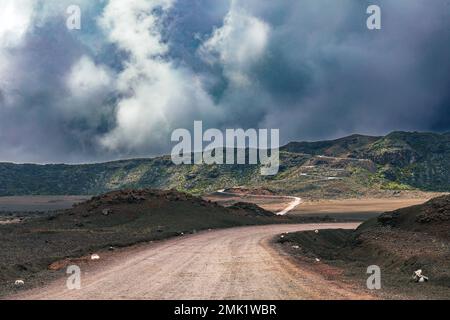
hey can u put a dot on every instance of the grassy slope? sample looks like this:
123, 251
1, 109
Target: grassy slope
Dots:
399, 161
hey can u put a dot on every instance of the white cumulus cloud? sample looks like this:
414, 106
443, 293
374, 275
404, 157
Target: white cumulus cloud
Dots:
159, 95
238, 44
87, 78
15, 19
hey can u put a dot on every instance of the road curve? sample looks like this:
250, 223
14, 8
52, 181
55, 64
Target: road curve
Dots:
236, 263
294, 201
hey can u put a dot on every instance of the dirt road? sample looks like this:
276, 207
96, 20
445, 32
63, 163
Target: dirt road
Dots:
293, 201
234, 263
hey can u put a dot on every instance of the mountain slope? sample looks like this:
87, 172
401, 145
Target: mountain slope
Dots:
347, 147
350, 166
421, 160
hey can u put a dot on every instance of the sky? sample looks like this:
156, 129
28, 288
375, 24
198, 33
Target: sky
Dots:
139, 69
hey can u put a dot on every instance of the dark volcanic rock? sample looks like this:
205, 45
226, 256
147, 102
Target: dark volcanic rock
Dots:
253, 208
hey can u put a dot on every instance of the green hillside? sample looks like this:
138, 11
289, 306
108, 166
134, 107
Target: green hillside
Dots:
352, 166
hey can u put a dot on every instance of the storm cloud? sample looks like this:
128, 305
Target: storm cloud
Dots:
139, 69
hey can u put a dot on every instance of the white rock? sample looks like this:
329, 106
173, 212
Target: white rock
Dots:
19, 283
296, 247
95, 257
317, 231
317, 260
419, 277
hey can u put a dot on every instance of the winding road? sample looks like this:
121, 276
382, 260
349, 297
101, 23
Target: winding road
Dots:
238, 263
294, 201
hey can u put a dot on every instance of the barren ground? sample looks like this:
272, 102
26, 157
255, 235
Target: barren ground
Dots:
360, 209
239, 263
39, 203
349, 209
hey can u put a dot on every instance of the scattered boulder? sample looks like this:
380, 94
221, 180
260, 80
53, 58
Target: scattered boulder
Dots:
419, 277
19, 283
95, 257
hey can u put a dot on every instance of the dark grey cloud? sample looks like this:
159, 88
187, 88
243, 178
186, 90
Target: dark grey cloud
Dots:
328, 75
40, 121
309, 67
